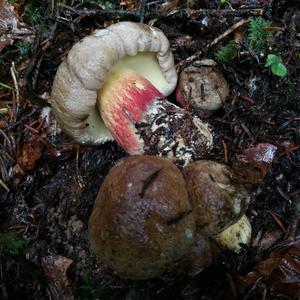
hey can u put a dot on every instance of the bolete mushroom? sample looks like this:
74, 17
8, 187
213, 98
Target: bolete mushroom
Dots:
142, 221
129, 69
202, 86
236, 235
218, 199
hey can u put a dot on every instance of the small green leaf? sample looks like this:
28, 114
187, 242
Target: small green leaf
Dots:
272, 59
279, 69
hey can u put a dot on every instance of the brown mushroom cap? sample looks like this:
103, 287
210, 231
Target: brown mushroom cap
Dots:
202, 86
196, 260
217, 198
142, 219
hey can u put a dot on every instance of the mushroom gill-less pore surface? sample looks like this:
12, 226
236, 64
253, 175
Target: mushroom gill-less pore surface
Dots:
142, 221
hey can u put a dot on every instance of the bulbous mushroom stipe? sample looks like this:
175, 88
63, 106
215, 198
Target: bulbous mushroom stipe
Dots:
88, 65
129, 68
142, 220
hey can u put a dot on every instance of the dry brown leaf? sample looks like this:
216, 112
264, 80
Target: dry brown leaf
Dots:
31, 151
254, 163
281, 272
55, 268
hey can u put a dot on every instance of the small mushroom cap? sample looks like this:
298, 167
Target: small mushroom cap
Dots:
218, 200
86, 68
142, 219
202, 86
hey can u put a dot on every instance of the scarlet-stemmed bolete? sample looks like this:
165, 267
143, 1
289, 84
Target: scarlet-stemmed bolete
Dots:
121, 75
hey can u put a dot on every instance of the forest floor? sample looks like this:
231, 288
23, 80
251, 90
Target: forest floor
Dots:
48, 184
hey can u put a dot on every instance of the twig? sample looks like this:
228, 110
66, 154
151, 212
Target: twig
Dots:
225, 152
142, 10
177, 13
82, 12
229, 31
14, 77
2, 183
3, 111
216, 12
6, 86
196, 55
278, 221
78, 175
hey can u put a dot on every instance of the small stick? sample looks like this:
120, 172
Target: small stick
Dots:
196, 55
14, 77
31, 128
225, 152
142, 10
2, 183
247, 99
3, 111
216, 12
278, 221
78, 175
176, 13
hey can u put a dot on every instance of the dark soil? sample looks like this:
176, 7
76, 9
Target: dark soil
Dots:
48, 184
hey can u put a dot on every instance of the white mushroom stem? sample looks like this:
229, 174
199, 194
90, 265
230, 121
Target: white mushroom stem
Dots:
237, 234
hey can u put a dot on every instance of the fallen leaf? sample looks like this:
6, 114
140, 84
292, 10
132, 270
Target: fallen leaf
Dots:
281, 272
55, 268
30, 153
254, 163
263, 152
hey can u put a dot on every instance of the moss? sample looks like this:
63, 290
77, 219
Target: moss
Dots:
227, 53
258, 35
11, 244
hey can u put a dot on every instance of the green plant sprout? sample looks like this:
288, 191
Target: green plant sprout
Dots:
226, 2
227, 53
258, 35
276, 65
87, 291
11, 244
